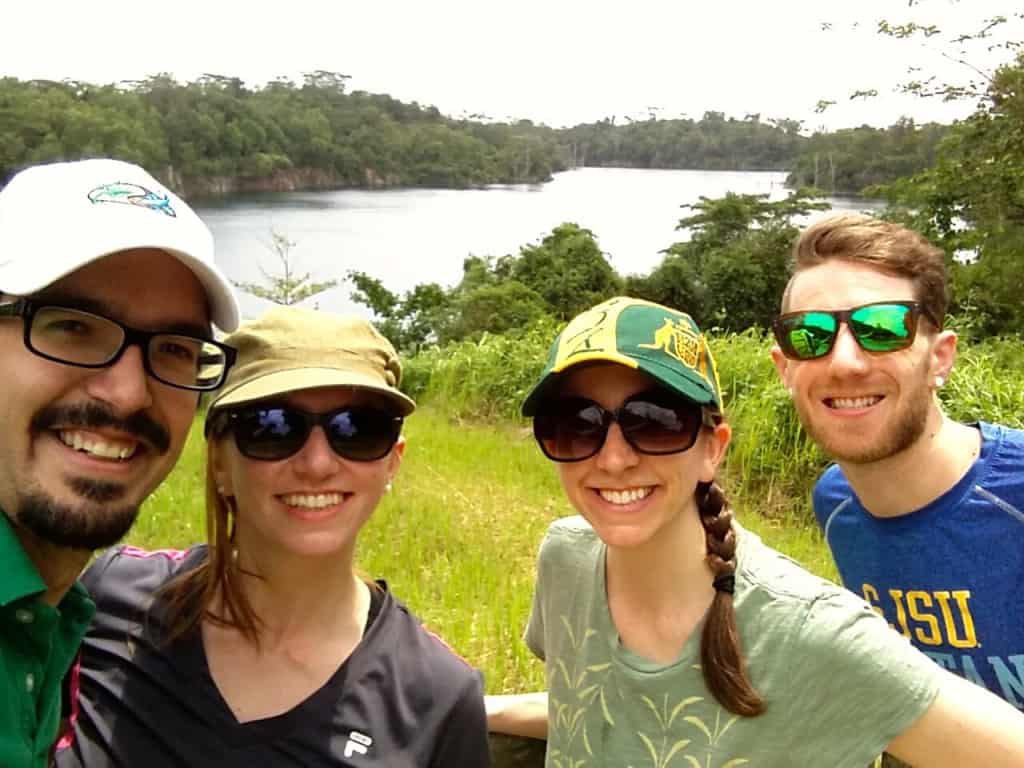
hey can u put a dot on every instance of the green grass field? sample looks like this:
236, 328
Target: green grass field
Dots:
457, 536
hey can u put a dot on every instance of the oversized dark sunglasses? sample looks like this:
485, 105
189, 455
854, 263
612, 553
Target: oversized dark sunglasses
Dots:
655, 422
884, 326
275, 432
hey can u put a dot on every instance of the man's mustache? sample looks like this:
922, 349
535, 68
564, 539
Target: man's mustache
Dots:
95, 415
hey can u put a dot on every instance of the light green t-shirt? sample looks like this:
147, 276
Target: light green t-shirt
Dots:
838, 682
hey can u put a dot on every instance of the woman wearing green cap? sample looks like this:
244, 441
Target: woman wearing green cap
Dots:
673, 637
265, 647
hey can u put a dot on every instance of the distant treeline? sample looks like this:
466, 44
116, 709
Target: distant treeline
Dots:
215, 131
714, 142
852, 160
729, 273
217, 135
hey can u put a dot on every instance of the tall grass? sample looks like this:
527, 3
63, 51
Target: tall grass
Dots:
483, 379
771, 464
457, 537
988, 383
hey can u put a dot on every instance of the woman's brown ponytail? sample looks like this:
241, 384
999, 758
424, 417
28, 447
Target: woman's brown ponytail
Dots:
721, 657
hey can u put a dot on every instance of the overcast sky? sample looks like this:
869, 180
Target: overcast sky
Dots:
560, 62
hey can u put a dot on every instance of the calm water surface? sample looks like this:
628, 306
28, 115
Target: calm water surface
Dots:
409, 236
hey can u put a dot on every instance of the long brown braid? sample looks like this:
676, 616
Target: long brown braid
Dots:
721, 657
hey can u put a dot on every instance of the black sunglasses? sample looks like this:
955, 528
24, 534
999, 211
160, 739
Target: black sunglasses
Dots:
883, 326
275, 432
655, 423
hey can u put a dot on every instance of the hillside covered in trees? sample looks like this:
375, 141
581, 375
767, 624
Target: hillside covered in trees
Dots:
852, 160
216, 135
730, 271
962, 185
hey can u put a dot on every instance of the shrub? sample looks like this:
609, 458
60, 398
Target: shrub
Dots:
771, 464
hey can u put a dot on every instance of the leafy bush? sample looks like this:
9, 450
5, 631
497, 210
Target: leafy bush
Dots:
771, 464
488, 378
987, 383
770, 459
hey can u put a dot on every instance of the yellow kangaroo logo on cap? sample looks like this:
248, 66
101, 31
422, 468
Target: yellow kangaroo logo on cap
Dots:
677, 340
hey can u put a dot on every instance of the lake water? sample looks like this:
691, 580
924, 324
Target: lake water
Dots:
408, 236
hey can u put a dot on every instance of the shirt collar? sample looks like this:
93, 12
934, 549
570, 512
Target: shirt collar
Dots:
19, 577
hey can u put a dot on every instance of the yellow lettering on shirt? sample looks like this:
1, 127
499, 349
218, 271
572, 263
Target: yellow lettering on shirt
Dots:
901, 612
871, 596
916, 601
969, 638
929, 617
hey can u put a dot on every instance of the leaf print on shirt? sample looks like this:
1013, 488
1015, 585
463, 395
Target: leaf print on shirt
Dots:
713, 736
707, 763
666, 749
582, 686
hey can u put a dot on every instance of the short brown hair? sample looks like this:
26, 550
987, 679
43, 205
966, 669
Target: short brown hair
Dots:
883, 245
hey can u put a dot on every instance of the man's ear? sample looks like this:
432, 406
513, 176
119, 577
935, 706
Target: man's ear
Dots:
781, 366
943, 356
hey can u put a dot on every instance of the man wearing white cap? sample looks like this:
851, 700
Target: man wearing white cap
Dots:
108, 290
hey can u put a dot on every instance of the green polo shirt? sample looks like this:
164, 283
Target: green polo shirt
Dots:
37, 646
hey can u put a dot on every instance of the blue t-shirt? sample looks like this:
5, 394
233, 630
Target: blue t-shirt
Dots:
949, 576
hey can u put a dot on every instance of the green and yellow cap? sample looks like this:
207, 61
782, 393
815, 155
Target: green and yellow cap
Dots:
663, 343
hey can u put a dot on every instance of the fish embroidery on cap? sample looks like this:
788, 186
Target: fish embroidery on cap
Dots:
125, 193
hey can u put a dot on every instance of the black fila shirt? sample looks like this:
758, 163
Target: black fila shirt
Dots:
402, 699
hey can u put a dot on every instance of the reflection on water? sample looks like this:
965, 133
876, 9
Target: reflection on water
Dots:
410, 236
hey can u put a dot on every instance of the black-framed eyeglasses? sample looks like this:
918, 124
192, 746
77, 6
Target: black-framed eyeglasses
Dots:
271, 432
87, 340
656, 423
882, 326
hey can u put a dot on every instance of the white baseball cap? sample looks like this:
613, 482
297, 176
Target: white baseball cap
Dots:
57, 218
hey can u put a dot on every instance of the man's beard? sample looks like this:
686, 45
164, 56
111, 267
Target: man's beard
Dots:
901, 433
98, 517
94, 522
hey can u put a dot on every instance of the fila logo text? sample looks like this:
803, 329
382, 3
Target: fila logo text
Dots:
357, 743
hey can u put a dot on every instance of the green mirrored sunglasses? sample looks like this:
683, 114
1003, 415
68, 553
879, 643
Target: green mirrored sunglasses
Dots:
883, 326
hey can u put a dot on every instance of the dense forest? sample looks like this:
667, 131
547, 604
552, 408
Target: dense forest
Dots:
962, 185
729, 274
730, 269
216, 135
715, 142
853, 160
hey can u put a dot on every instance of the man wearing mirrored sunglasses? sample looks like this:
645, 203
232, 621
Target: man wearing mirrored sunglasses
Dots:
108, 289
924, 515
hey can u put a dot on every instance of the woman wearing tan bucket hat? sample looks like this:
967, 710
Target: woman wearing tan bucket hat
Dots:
673, 637
264, 647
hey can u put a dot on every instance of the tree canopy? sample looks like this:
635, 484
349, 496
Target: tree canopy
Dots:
218, 127
971, 203
729, 274
216, 134
851, 160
